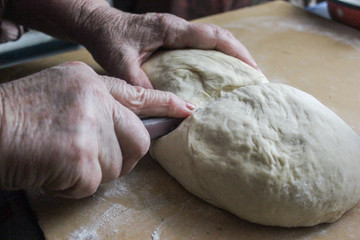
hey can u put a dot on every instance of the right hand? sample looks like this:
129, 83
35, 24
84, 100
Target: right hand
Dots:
67, 129
120, 42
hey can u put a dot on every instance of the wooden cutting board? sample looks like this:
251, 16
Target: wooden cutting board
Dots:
291, 46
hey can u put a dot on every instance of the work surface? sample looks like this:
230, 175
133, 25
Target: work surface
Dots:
291, 46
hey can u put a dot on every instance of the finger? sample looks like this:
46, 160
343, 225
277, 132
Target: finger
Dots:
132, 136
137, 77
208, 36
130, 70
148, 102
215, 37
86, 184
110, 156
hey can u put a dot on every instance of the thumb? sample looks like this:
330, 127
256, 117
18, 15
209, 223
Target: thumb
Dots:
137, 77
131, 72
148, 102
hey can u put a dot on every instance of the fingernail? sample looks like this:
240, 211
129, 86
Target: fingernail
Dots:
257, 68
189, 105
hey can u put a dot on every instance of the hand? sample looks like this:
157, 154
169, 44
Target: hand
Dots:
121, 42
67, 129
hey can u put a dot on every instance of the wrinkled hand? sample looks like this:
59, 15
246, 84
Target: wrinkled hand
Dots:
67, 129
121, 42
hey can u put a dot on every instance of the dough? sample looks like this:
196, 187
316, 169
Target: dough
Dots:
268, 153
199, 75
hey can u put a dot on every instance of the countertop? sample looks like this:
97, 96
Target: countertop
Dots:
291, 46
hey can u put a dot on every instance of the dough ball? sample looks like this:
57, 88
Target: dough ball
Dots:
199, 75
269, 153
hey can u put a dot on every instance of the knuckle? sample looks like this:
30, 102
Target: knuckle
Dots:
76, 65
222, 32
111, 167
142, 143
155, 21
171, 100
138, 99
90, 187
88, 182
84, 87
168, 100
142, 93
216, 30
142, 147
161, 18
172, 28
168, 19
115, 173
145, 145
227, 33
75, 78
86, 178
82, 145
80, 156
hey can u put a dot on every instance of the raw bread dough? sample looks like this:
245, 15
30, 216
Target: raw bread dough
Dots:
199, 75
268, 153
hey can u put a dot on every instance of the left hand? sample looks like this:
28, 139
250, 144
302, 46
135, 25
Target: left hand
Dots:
66, 129
120, 42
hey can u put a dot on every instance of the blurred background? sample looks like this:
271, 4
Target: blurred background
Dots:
190, 9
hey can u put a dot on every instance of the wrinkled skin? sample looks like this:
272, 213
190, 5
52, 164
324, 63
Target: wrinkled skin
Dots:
128, 40
67, 129
120, 42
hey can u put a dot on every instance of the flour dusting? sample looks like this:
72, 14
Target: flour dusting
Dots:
106, 219
84, 234
281, 24
155, 235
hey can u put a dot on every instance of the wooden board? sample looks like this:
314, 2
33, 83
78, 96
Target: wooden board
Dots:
291, 46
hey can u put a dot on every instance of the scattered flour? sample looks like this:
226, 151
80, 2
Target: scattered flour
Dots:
281, 24
106, 219
156, 234
84, 234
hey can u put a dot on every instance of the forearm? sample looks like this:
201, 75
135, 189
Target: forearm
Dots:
63, 19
